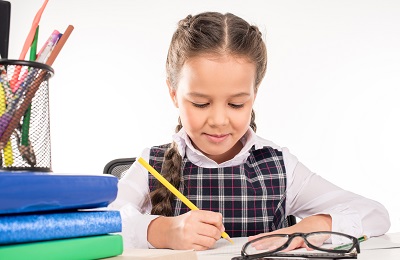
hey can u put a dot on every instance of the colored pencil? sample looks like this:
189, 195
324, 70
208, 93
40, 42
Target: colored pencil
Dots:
360, 239
27, 44
7, 152
27, 115
32, 32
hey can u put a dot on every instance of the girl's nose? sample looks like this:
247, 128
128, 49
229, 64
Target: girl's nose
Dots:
218, 116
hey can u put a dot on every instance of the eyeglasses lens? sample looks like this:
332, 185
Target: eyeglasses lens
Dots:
265, 245
330, 241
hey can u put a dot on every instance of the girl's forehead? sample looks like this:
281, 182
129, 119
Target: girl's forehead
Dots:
213, 74
213, 65
218, 58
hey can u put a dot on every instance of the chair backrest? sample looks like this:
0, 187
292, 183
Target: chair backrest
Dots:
118, 167
291, 220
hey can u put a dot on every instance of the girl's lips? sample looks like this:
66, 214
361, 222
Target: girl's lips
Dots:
216, 138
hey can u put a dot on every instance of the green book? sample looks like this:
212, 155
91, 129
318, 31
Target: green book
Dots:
93, 247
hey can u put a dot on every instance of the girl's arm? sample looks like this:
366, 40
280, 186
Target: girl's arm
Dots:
308, 194
133, 203
323, 206
197, 230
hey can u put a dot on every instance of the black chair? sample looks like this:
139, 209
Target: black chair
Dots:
291, 220
118, 168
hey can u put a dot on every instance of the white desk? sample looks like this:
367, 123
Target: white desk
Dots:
386, 247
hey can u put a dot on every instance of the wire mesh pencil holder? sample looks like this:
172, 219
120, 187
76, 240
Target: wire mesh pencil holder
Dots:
25, 116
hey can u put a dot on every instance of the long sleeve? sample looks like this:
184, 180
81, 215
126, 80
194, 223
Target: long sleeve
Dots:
310, 194
133, 203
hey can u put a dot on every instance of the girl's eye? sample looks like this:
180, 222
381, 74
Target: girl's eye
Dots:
200, 105
236, 105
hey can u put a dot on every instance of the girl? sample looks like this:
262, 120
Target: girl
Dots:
243, 184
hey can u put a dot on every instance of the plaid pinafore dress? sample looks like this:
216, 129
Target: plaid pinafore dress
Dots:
250, 196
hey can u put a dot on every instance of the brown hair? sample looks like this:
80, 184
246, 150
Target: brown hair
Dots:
205, 33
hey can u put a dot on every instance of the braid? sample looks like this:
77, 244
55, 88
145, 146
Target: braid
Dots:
161, 197
253, 121
179, 126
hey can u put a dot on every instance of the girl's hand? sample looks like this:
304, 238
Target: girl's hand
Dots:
296, 242
196, 229
307, 225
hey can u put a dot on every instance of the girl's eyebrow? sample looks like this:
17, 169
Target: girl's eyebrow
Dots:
197, 94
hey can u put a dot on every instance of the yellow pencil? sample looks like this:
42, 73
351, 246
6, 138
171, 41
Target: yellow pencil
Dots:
177, 193
8, 152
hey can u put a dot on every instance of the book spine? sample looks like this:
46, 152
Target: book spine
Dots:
49, 226
94, 247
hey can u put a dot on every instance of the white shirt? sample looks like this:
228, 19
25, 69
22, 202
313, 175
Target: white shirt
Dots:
307, 194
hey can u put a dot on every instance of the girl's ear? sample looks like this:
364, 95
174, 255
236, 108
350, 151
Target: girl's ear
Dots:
172, 93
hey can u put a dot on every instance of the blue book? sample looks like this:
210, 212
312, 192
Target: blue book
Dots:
23, 228
22, 192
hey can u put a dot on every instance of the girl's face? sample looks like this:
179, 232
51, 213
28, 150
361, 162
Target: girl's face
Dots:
215, 96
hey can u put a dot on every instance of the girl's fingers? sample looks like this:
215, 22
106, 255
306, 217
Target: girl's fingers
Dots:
211, 231
204, 242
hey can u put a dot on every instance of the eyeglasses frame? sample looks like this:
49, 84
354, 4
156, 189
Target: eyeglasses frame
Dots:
290, 237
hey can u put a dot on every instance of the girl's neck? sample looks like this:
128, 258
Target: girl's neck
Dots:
228, 155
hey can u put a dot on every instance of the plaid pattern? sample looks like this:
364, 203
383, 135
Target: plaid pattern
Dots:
250, 196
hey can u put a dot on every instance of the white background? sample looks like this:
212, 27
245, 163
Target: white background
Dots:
330, 94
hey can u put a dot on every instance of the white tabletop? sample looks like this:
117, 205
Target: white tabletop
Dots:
386, 247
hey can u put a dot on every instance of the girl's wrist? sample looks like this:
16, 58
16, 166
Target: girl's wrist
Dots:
156, 232
321, 222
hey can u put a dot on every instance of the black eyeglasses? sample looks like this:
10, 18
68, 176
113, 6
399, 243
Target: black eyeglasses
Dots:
327, 245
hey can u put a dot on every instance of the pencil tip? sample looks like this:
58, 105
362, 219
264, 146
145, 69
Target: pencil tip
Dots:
226, 236
229, 239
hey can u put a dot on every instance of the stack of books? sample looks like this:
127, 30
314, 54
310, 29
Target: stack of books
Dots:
58, 216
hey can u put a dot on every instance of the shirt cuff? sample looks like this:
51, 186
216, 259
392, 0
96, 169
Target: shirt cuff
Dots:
134, 227
345, 220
